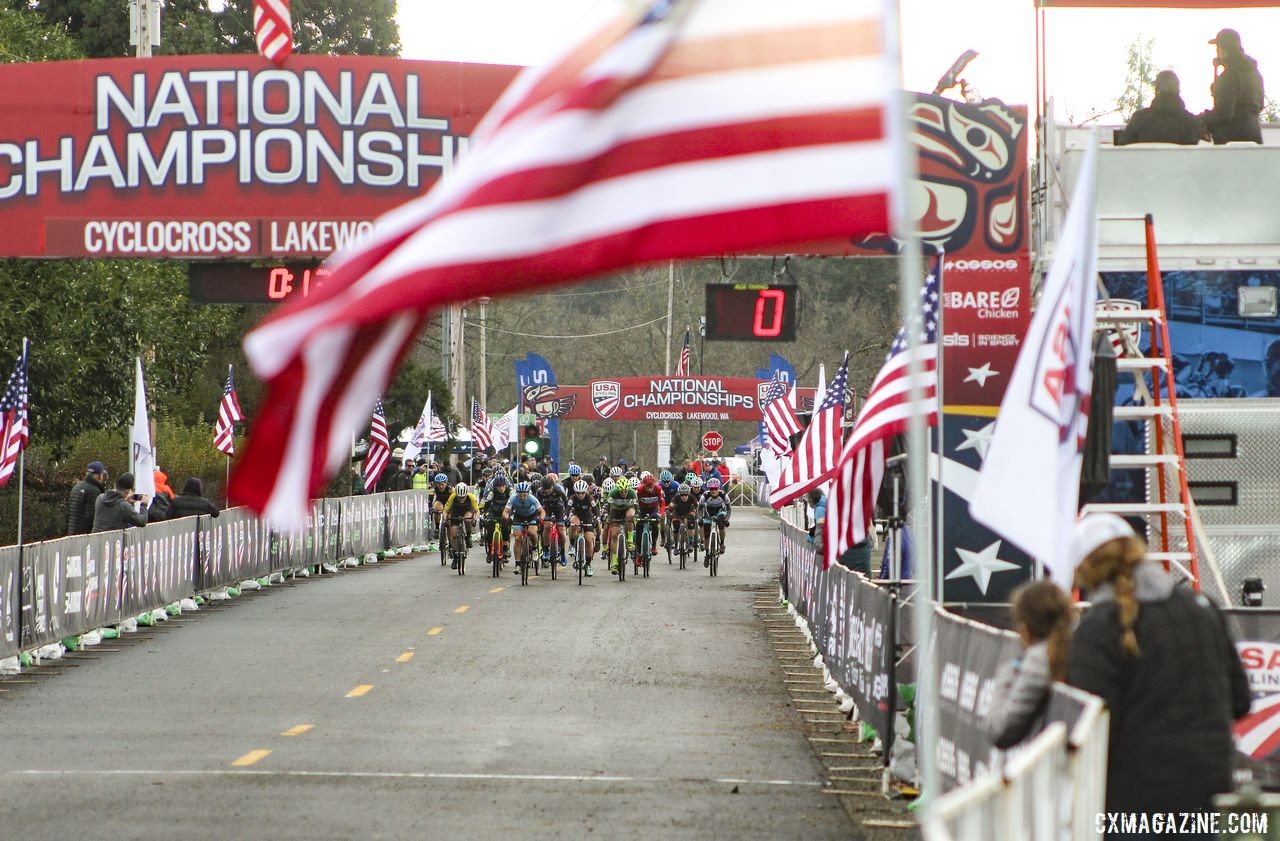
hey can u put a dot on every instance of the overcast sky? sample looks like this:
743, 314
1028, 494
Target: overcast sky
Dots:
1086, 47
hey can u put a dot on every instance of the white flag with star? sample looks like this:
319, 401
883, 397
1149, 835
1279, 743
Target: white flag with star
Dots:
1029, 487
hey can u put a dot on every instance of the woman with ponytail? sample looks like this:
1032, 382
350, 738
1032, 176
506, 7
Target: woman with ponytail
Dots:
1042, 616
1161, 658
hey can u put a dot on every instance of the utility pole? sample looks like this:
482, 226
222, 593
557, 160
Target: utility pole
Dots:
484, 314
458, 384
446, 348
144, 26
664, 437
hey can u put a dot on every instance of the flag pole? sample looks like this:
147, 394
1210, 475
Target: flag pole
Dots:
917, 433
22, 456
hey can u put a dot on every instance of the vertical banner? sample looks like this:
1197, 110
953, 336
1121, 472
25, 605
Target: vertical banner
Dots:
535, 371
9, 604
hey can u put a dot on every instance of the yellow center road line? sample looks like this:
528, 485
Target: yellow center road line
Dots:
405, 658
362, 689
463, 609
497, 589
434, 632
298, 730
251, 758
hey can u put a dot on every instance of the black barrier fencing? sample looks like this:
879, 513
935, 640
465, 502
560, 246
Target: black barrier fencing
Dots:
864, 631
66, 587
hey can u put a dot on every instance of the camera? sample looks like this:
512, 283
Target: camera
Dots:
135, 497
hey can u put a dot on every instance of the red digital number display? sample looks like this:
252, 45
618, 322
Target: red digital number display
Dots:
246, 283
750, 312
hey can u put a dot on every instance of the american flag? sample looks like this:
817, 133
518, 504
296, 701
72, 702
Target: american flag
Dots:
481, 431
15, 429
682, 368
228, 413
815, 457
684, 128
780, 420
886, 412
375, 460
273, 29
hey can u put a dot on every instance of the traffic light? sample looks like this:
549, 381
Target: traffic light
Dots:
533, 444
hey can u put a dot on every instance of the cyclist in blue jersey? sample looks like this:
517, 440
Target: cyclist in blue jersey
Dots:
670, 487
523, 511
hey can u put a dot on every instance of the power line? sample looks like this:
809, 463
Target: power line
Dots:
476, 324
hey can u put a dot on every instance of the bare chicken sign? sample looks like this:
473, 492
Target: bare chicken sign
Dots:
224, 156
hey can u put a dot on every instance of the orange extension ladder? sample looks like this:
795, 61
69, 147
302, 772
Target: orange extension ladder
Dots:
1171, 541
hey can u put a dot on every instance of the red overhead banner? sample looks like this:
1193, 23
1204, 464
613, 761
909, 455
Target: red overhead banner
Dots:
653, 399
224, 156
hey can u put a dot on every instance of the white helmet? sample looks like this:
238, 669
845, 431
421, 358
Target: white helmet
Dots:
461, 489
606, 485
645, 474
580, 487
615, 472
695, 482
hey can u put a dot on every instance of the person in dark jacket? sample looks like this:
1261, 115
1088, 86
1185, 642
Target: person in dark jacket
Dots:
1237, 93
118, 508
84, 495
1161, 658
601, 470
1166, 121
191, 501
402, 479
1042, 616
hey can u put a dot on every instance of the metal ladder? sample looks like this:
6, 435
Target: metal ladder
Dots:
1164, 450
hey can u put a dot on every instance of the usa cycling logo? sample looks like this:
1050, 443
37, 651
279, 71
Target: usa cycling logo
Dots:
606, 396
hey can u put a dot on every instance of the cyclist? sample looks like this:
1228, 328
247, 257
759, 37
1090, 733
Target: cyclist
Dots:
683, 507
714, 505
622, 512
495, 500
583, 512
652, 505
552, 499
670, 487
461, 509
440, 492
523, 511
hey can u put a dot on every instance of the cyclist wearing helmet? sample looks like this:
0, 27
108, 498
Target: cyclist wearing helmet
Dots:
714, 506
461, 509
695, 486
622, 512
683, 507
583, 512
524, 511
652, 504
669, 489
440, 493
615, 473
495, 500
552, 498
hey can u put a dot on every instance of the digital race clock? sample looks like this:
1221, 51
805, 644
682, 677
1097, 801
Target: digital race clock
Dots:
247, 283
751, 312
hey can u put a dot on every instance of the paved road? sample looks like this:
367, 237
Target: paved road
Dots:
649, 710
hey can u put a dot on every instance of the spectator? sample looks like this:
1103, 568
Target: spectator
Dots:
1166, 121
548, 465
1160, 657
120, 507
402, 479
422, 477
80, 505
1042, 616
357, 478
1237, 93
191, 501
601, 470
159, 507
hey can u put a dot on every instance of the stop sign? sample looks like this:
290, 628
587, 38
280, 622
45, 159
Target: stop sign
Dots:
712, 442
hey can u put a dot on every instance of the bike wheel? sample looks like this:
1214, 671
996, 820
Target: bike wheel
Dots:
443, 540
682, 544
621, 555
646, 550
524, 561
713, 551
693, 538
462, 553
580, 553
553, 547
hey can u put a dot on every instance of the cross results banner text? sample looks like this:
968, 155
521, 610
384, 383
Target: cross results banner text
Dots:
653, 398
224, 156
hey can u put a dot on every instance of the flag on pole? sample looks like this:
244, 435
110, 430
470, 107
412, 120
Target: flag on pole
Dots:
375, 460
228, 413
141, 457
780, 420
273, 29
681, 129
419, 437
437, 431
481, 433
1028, 489
15, 428
886, 412
682, 367
504, 429
815, 456
820, 393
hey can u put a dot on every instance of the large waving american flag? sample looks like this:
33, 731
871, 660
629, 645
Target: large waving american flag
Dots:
15, 429
780, 419
887, 412
816, 454
481, 429
375, 460
228, 413
690, 127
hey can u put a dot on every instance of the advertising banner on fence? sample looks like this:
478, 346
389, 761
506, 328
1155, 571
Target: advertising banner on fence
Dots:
9, 604
224, 156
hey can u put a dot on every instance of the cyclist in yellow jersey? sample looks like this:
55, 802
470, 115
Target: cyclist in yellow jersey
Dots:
461, 507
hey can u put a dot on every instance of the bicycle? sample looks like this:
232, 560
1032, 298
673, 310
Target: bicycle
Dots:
580, 555
553, 548
682, 544
666, 533
714, 548
620, 554
457, 545
440, 538
644, 549
493, 546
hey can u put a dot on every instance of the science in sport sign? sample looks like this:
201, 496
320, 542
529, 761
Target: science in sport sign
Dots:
224, 156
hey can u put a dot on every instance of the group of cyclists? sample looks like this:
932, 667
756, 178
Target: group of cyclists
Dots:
541, 517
